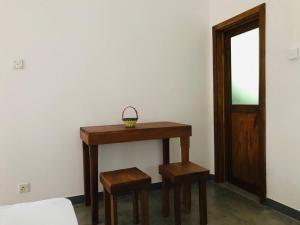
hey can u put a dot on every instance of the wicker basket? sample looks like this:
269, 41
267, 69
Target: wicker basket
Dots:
130, 122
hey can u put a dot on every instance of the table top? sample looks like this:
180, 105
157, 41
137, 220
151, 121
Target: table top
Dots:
95, 135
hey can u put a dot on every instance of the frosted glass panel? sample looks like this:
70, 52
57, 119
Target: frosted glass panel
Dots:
245, 68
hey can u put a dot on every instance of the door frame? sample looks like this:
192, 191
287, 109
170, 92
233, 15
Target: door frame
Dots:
221, 105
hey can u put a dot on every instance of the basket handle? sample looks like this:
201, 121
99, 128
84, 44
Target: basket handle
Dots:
127, 107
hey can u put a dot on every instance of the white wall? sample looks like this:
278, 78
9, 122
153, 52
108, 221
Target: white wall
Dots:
85, 61
283, 85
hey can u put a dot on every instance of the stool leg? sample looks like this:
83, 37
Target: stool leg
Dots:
165, 198
107, 208
202, 203
135, 207
187, 197
144, 207
113, 210
177, 204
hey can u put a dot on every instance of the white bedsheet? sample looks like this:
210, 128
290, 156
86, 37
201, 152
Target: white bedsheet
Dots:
57, 211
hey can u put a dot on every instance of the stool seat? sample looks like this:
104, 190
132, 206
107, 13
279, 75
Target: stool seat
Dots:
183, 172
124, 180
181, 175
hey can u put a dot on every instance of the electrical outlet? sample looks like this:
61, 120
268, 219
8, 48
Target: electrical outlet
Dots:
24, 188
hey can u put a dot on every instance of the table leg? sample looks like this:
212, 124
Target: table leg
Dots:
93, 149
185, 149
166, 151
86, 174
202, 203
185, 157
165, 185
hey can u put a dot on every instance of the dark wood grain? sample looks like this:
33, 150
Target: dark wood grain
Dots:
93, 152
142, 131
144, 207
177, 204
187, 197
183, 172
262, 104
245, 152
107, 208
165, 185
222, 99
124, 180
185, 146
202, 203
165, 198
93, 136
245, 17
86, 174
166, 151
113, 210
135, 207
219, 104
242, 133
180, 174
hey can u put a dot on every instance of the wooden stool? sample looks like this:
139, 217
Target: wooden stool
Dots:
125, 180
183, 174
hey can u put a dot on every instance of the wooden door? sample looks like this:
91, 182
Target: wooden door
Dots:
239, 101
242, 88
244, 151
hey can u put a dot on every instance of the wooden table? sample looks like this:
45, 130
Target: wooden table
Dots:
97, 135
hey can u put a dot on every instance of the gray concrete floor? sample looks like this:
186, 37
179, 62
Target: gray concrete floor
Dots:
226, 206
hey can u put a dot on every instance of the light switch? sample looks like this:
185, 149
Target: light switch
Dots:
294, 54
18, 64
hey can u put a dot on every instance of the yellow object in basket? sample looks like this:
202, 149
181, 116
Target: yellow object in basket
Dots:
130, 123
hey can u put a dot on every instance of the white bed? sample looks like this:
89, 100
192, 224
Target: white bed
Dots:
57, 211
